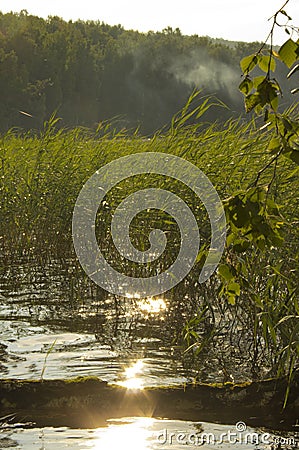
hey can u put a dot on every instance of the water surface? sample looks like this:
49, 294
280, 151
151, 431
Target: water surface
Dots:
50, 329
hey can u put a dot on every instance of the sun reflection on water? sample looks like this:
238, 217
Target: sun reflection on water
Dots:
149, 304
131, 383
152, 305
133, 434
131, 380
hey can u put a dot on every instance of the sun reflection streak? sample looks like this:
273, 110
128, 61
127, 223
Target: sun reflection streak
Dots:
132, 371
129, 433
149, 304
152, 305
131, 380
132, 383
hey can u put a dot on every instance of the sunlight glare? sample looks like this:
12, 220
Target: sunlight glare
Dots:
130, 372
134, 434
131, 380
131, 383
135, 295
151, 305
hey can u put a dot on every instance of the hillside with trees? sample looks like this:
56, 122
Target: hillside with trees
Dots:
89, 72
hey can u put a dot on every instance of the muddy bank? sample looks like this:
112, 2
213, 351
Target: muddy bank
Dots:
88, 402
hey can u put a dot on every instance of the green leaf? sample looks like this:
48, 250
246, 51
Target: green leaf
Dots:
266, 63
251, 101
261, 244
231, 299
288, 52
241, 217
246, 86
230, 239
248, 63
268, 91
224, 271
234, 288
241, 245
274, 103
274, 145
258, 80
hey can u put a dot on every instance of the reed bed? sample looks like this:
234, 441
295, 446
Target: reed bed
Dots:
43, 173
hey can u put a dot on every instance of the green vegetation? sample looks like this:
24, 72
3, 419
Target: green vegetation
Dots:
90, 72
249, 310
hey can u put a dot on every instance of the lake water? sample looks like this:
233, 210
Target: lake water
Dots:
143, 433
47, 330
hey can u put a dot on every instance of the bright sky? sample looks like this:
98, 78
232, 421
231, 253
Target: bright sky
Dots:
229, 19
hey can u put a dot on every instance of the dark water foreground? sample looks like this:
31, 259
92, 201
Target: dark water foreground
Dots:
89, 402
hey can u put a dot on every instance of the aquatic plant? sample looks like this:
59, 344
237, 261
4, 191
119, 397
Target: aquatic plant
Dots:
248, 311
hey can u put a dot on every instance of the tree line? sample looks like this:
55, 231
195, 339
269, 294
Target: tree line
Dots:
89, 72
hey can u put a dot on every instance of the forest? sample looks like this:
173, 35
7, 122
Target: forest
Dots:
89, 72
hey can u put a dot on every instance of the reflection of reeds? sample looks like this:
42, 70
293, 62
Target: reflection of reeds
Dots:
7, 424
5, 420
45, 361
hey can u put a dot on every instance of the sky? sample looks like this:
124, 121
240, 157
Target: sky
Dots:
237, 20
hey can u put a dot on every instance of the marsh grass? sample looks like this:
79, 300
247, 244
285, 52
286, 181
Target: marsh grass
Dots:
42, 175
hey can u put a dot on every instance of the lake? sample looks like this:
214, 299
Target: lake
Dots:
48, 331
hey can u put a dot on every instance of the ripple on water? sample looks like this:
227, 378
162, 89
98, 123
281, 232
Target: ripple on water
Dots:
29, 349
140, 433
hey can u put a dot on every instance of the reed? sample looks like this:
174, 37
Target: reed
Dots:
43, 173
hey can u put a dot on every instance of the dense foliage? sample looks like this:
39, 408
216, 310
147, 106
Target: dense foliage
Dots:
90, 71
